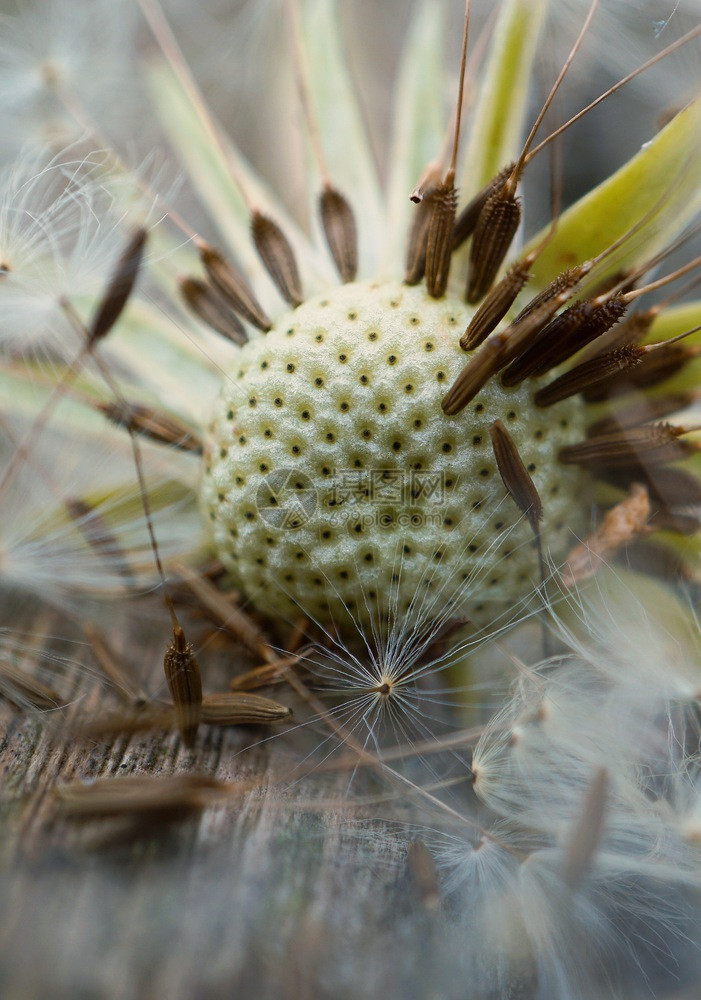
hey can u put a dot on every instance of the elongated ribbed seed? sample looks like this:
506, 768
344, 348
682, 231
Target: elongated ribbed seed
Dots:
652, 444
515, 475
566, 281
211, 307
496, 305
171, 794
564, 336
183, 676
439, 243
278, 256
119, 289
338, 221
417, 244
240, 708
151, 424
586, 376
474, 376
655, 367
469, 215
491, 241
229, 281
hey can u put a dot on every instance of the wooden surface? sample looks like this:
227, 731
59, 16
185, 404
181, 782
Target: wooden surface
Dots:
290, 889
298, 887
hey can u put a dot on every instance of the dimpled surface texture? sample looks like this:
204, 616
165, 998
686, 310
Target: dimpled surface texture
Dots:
332, 476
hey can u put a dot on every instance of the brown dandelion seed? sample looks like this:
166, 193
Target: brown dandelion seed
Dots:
211, 307
515, 475
584, 377
467, 219
151, 424
228, 708
565, 282
232, 285
184, 683
653, 444
157, 796
119, 288
278, 256
564, 336
474, 376
653, 369
496, 304
493, 235
415, 267
338, 221
439, 239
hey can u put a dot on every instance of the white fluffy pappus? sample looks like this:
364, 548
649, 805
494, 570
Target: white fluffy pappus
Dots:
60, 227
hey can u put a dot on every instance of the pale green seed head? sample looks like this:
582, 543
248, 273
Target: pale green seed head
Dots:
334, 478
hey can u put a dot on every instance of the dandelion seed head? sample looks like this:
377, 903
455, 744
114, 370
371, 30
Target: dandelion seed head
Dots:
340, 402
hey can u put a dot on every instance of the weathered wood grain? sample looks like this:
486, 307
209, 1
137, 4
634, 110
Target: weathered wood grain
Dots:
267, 895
